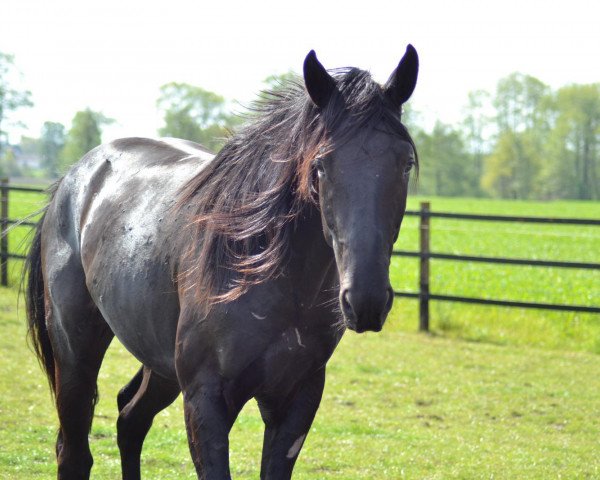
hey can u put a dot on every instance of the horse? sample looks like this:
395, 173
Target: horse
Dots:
230, 276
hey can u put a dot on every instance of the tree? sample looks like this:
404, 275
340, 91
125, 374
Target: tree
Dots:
8, 164
411, 119
474, 126
446, 167
518, 100
84, 135
193, 113
52, 142
501, 166
11, 99
512, 169
278, 81
572, 165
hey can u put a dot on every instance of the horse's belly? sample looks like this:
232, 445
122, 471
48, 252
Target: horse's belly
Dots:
127, 260
129, 238
143, 315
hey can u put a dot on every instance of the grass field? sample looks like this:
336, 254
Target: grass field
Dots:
397, 405
491, 393
572, 331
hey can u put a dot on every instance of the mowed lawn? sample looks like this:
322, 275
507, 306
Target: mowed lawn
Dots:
491, 393
396, 405
500, 325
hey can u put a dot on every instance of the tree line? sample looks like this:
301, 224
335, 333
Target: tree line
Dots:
522, 141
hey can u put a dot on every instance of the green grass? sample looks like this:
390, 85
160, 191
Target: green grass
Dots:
498, 325
21, 205
396, 405
492, 393
573, 331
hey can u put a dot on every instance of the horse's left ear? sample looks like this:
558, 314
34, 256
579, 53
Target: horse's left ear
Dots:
319, 84
402, 81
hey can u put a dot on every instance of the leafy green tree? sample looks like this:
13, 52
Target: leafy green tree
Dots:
518, 100
512, 169
475, 124
84, 135
52, 142
279, 81
572, 166
501, 167
28, 160
446, 167
411, 119
193, 113
9, 166
11, 98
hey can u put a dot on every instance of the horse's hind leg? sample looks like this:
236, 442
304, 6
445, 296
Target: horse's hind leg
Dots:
76, 395
137, 409
128, 391
80, 337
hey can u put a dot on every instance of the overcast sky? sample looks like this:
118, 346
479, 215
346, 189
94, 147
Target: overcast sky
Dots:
112, 56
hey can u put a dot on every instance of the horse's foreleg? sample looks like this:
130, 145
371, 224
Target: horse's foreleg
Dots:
209, 418
153, 394
286, 425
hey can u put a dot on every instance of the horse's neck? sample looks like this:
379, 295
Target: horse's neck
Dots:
312, 263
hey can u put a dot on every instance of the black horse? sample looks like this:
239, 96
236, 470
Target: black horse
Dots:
229, 277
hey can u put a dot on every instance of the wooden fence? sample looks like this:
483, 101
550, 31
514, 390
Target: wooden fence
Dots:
6, 222
424, 254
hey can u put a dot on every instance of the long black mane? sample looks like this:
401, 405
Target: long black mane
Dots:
247, 198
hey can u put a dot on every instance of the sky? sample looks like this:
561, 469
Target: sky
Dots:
113, 56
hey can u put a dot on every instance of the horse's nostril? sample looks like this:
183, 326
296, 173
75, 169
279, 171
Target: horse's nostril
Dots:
346, 305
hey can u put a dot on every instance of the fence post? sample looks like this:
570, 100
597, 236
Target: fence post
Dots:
4, 233
424, 268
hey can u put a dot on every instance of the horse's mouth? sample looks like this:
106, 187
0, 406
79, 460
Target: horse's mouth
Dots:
369, 319
361, 327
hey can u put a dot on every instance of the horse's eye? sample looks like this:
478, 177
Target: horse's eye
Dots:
319, 166
408, 167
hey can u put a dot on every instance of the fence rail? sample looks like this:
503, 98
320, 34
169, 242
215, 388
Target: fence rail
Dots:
502, 218
511, 261
6, 223
424, 254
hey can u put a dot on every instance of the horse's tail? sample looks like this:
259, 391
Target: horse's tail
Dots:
36, 311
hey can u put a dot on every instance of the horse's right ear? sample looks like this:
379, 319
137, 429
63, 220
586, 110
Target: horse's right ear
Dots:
319, 84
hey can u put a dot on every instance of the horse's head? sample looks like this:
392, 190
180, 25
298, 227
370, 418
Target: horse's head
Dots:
362, 180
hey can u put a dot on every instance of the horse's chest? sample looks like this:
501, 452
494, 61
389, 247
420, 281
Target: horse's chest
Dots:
279, 362
296, 354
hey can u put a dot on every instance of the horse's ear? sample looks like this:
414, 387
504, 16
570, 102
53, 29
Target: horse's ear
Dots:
402, 81
319, 84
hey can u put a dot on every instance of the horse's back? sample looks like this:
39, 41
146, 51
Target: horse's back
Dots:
112, 226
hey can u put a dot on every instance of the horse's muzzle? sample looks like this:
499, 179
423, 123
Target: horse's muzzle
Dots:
366, 311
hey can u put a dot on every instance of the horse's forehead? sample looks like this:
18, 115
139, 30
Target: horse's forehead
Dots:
378, 141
